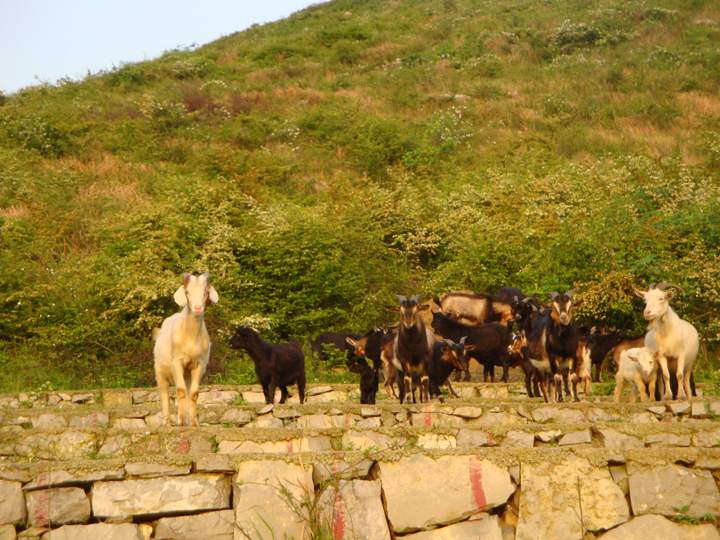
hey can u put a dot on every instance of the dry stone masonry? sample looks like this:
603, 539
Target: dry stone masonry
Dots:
492, 464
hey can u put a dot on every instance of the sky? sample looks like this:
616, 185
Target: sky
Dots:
42, 41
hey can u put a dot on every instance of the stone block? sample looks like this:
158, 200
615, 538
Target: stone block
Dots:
661, 489
214, 464
160, 496
576, 437
12, 503
367, 440
617, 440
7, 532
433, 440
50, 479
518, 439
563, 416
95, 419
57, 506
154, 470
208, 526
236, 416
117, 398
355, 511
218, 397
552, 495
473, 437
469, 413
657, 440
341, 470
50, 421
707, 439
265, 493
652, 526
106, 531
487, 529
422, 493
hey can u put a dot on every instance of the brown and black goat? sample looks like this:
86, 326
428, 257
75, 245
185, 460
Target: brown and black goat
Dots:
413, 348
552, 348
324, 340
368, 378
377, 345
490, 342
447, 356
276, 366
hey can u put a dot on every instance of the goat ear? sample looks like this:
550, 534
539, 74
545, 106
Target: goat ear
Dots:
641, 294
394, 308
669, 295
469, 347
213, 295
351, 342
424, 307
179, 296
632, 354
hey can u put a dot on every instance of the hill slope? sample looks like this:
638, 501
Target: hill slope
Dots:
319, 165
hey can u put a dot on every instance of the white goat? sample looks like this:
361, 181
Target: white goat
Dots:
639, 367
182, 348
674, 339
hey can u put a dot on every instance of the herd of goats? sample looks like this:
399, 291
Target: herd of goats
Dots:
433, 340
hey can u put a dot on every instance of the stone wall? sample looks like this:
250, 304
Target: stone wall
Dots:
492, 464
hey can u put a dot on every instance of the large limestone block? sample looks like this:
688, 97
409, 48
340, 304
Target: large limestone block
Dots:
106, 531
355, 511
661, 489
486, 529
266, 497
422, 493
7, 532
208, 526
160, 496
651, 526
368, 440
57, 506
12, 503
565, 498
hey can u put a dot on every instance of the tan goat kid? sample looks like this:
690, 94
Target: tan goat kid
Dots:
182, 348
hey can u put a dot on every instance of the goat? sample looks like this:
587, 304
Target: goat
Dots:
637, 366
599, 345
377, 345
552, 348
472, 308
276, 366
182, 348
447, 356
412, 348
674, 339
517, 358
368, 378
335, 339
490, 342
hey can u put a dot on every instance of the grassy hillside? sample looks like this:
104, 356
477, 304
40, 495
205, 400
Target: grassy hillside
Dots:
320, 165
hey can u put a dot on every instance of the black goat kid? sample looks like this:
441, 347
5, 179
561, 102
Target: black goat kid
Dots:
276, 366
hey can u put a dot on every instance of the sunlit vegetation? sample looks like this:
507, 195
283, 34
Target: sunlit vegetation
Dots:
320, 165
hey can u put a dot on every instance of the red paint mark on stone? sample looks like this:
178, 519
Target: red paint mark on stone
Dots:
490, 439
476, 482
183, 444
348, 420
290, 447
41, 509
339, 521
428, 419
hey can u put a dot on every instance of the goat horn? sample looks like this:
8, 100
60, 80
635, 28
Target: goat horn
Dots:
186, 279
553, 295
401, 298
207, 276
664, 286
570, 294
462, 340
415, 298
